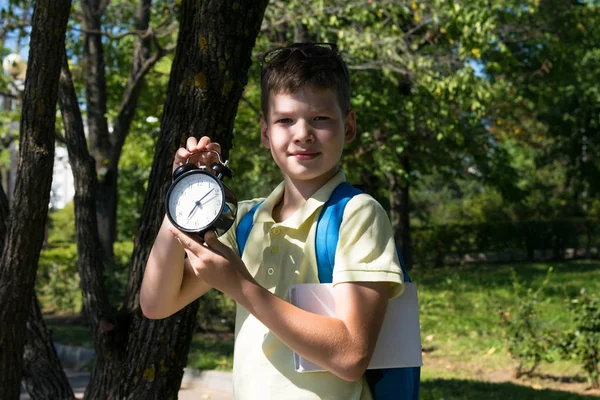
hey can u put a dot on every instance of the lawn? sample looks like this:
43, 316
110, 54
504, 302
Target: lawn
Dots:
463, 335
465, 352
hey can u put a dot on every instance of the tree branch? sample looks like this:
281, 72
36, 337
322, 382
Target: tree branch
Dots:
90, 262
251, 106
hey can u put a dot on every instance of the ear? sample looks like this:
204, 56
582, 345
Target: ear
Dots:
350, 126
264, 132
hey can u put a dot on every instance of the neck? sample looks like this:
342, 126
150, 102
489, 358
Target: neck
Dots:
297, 192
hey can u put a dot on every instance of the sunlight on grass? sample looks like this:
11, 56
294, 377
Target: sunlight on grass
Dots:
461, 325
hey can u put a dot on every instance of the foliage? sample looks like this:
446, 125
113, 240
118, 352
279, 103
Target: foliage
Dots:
116, 272
582, 342
528, 340
61, 225
216, 312
211, 352
550, 64
502, 240
255, 172
134, 170
57, 284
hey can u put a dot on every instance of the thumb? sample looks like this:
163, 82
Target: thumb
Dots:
210, 238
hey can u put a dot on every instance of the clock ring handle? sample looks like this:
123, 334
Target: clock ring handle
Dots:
208, 151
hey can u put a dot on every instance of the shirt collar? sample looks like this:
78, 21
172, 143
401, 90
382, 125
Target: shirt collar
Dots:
264, 213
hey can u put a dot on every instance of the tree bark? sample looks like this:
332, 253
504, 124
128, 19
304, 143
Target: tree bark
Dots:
43, 376
105, 146
4, 212
42, 373
109, 335
208, 75
18, 264
399, 210
95, 91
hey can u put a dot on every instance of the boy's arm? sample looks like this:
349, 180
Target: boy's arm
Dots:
343, 345
169, 282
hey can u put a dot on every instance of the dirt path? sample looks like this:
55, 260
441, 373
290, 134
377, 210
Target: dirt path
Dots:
574, 384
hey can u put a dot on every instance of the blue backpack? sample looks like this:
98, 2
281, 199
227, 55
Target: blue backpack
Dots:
385, 384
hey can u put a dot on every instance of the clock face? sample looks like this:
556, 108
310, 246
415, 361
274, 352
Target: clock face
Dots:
195, 201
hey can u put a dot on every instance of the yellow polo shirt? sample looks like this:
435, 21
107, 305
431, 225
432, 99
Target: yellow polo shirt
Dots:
279, 255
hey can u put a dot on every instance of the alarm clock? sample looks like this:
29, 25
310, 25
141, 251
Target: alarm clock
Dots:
198, 201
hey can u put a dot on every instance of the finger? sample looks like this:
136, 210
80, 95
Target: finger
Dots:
186, 241
181, 155
214, 146
191, 144
203, 143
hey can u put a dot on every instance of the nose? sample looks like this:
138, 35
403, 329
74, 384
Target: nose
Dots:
304, 132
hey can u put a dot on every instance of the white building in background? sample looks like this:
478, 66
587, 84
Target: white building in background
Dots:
63, 185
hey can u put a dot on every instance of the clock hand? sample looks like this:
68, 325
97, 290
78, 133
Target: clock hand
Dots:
209, 192
193, 209
214, 197
197, 204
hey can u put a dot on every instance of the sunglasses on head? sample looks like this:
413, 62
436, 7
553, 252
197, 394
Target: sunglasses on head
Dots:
308, 50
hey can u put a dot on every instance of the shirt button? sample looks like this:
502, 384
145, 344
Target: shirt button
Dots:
276, 231
275, 249
270, 271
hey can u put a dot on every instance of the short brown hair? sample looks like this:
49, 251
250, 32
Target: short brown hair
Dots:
299, 71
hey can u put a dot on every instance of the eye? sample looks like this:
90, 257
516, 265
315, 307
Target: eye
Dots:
322, 118
284, 121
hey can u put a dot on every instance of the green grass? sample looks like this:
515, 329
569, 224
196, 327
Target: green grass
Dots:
460, 326
460, 314
460, 306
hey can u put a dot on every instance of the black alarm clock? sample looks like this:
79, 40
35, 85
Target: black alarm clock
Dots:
198, 201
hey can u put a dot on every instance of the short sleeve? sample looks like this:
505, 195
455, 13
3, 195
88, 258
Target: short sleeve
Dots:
366, 250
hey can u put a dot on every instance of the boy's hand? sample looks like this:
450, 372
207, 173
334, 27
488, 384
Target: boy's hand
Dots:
192, 146
213, 262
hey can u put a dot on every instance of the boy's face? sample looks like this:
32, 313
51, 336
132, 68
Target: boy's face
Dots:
306, 132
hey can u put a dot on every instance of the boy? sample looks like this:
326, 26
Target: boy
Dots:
306, 121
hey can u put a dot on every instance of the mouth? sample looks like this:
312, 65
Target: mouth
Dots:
305, 155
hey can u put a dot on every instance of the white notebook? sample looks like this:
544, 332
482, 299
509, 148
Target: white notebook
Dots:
399, 342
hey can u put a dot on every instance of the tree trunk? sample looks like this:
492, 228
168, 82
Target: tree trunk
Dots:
12, 151
95, 90
399, 210
108, 193
18, 264
109, 334
105, 146
43, 375
4, 212
208, 75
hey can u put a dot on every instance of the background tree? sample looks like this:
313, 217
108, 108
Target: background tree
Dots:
18, 262
422, 100
106, 140
202, 99
553, 67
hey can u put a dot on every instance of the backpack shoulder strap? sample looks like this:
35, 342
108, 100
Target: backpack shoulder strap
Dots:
328, 229
244, 228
